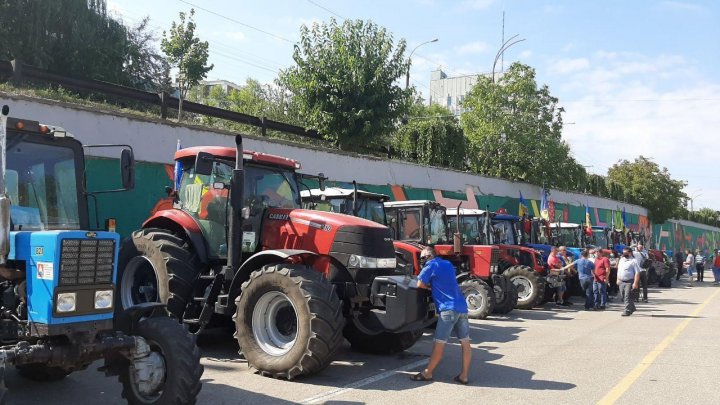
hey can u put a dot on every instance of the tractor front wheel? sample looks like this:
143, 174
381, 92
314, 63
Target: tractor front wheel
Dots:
505, 298
479, 297
529, 285
289, 321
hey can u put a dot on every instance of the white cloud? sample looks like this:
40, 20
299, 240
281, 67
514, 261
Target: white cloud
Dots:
680, 5
629, 104
235, 35
565, 66
472, 48
478, 4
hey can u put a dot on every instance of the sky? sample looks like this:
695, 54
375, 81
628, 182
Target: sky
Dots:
634, 77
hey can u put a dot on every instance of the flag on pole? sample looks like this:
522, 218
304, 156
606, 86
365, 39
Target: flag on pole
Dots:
178, 169
624, 220
523, 209
544, 207
612, 220
588, 224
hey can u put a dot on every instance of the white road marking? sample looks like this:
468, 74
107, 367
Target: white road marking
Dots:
365, 381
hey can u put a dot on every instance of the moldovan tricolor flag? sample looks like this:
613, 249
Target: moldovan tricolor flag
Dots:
178, 170
544, 206
523, 209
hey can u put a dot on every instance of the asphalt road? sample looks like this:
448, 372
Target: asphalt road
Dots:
668, 352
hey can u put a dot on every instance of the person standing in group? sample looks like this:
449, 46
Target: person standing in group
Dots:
700, 265
585, 274
679, 259
439, 274
689, 264
600, 279
716, 267
641, 256
556, 273
569, 273
628, 279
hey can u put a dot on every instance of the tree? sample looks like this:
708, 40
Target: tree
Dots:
646, 184
145, 67
187, 53
345, 82
432, 136
68, 37
514, 129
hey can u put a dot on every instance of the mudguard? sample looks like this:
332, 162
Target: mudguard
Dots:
260, 259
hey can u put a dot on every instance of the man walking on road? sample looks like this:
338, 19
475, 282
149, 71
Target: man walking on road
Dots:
600, 279
716, 267
439, 274
628, 279
641, 256
689, 264
585, 274
700, 265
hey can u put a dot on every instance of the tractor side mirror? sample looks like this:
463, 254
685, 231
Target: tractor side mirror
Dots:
127, 169
203, 163
321, 181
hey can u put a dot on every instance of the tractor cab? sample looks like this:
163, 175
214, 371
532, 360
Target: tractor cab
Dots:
418, 221
358, 203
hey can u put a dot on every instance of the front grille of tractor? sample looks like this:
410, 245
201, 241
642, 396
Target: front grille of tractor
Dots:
87, 261
495, 256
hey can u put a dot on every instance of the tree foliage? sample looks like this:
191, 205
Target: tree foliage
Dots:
345, 81
432, 136
144, 65
514, 129
187, 53
646, 184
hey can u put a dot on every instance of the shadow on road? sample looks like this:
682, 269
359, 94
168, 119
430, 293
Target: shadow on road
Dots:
239, 396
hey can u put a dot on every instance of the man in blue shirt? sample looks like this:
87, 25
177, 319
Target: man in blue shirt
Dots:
452, 308
585, 273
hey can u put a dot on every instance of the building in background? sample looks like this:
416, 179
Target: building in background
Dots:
450, 92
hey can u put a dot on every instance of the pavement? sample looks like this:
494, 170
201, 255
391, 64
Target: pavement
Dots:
667, 352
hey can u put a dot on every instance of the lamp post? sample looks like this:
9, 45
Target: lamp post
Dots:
407, 76
507, 44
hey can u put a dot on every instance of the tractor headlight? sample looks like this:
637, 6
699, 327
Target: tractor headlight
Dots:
372, 262
103, 299
66, 302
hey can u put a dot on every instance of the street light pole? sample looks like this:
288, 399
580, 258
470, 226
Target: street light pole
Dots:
507, 44
407, 76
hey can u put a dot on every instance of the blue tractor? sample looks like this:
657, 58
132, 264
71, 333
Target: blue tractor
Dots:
57, 277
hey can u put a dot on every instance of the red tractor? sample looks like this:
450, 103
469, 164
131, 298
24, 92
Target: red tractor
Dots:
420, 223
524, 266
236, 243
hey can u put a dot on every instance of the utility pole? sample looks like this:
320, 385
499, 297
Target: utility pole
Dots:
407, 76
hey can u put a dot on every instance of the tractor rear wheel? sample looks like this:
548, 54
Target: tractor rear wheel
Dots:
289, 321
156, 266
479, 296
505, 298
529, 285
380, 343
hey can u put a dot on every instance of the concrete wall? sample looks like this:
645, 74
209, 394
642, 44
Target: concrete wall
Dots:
154, 142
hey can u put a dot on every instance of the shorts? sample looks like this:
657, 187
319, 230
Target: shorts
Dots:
449, 321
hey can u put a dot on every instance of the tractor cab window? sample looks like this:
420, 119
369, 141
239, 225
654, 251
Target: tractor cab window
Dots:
369, 209
471, 229
41, 182
503, 232
599, 238
566, 236
409, 224
435, 227
269, 187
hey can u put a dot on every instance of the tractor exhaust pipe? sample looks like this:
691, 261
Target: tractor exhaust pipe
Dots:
457, 237
237, 214
4, 200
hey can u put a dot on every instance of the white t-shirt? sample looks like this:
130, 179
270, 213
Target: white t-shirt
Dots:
627, 269
639, 257
690, 260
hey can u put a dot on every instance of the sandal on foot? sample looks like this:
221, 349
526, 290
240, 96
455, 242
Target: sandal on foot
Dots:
419, 377
458, 380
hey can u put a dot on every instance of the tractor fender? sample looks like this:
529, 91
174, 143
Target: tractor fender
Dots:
460, 277
256, 261
127, 319
181, 223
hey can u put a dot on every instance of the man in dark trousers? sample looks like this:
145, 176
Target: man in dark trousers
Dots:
679, 259
450, 304
628, 279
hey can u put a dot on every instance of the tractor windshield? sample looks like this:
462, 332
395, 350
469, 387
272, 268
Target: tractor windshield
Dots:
599, 238
365, 207
436, 227
472, 229
41, 182
503, 232
566, 236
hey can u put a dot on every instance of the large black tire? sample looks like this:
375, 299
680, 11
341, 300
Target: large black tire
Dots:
41, 372
505, 299
164, 265
380, 343
529, 285
181, 357
306, 321
479, 296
